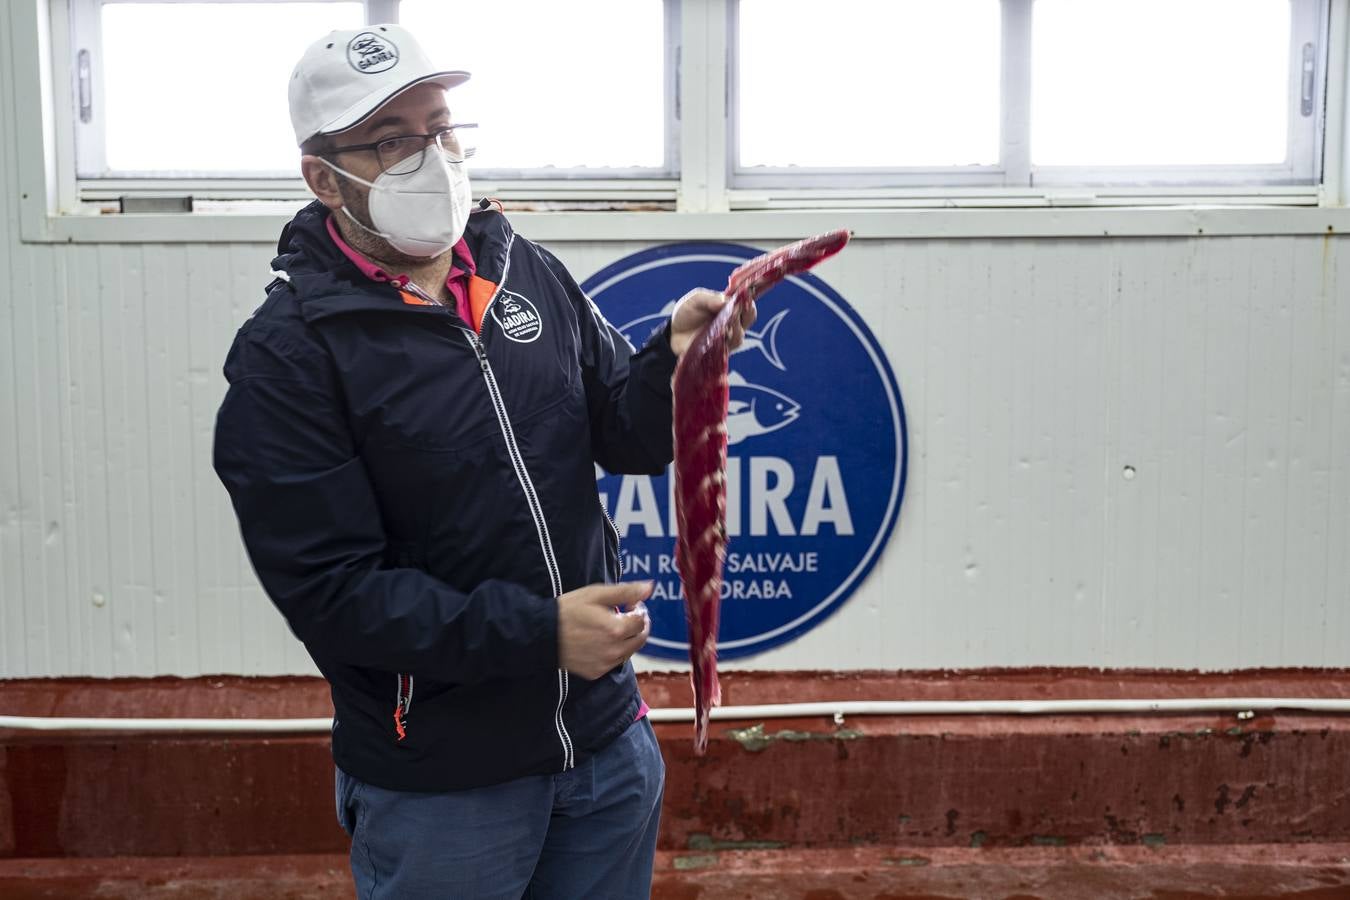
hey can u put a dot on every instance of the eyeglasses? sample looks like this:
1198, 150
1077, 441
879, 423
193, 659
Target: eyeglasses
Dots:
403, 155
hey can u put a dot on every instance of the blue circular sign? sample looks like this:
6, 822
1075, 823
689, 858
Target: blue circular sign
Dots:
816, 454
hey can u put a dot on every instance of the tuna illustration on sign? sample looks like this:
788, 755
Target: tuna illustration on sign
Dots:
754, 410
765, 340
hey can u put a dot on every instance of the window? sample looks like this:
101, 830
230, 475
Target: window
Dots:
1112, 87
181, 91
1028, 93
571, 87
869, 86
710, 105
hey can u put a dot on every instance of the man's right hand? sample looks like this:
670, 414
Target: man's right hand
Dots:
592, 637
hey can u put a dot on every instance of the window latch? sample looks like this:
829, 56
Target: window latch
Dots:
86, 87
1309, 69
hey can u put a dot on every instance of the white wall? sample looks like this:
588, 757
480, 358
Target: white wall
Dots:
1033, 372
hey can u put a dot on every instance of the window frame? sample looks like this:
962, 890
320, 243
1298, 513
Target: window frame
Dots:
705, 207
1015, 173
646, 184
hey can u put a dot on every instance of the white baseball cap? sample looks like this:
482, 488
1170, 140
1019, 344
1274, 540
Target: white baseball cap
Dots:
346, 76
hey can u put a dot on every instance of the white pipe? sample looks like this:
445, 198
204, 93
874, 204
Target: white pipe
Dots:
1243, 706
841, 709
181, 726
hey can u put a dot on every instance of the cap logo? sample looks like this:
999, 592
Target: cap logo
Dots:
370, 53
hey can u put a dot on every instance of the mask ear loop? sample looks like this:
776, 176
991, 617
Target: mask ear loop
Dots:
343, 172
366, 228
359, 180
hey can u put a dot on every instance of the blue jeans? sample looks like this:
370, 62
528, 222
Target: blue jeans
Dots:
587, 833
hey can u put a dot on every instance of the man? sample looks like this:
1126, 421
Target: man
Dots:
409, 440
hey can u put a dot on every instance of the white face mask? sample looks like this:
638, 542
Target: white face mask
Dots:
423, 214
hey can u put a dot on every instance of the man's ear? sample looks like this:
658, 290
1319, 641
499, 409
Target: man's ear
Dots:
322, 180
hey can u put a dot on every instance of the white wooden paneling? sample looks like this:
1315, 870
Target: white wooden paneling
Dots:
1033, 374
1034, 371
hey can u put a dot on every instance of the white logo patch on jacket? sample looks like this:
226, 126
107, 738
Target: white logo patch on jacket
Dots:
518, 318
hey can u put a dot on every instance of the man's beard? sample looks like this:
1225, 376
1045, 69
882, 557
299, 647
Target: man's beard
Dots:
357, 200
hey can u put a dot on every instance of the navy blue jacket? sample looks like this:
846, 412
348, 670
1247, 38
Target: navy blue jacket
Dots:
414, 497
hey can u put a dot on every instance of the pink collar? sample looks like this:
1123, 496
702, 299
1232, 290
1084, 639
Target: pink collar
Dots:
462, 267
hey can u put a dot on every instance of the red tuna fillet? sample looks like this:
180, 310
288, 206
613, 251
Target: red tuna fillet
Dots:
701, 392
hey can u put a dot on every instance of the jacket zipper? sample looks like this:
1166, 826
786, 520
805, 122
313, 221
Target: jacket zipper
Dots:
403, 694
402, 703
540, 524
618, 545
531, 496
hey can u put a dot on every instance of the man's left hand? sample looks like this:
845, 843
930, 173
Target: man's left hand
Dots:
696, 309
